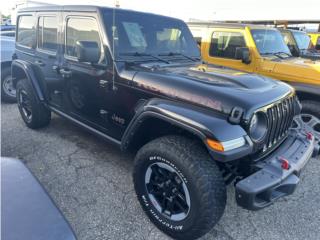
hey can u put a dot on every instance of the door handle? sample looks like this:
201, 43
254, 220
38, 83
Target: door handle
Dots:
55, 68
103, 83
65, 73
40, 63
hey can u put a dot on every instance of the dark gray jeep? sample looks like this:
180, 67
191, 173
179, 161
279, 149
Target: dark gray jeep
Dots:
136, 79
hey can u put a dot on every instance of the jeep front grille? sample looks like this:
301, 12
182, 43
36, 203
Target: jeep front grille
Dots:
280, 117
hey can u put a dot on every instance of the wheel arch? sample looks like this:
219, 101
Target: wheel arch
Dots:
23, 70
151, 125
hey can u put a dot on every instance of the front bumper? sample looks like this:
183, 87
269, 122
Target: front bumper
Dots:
272, 181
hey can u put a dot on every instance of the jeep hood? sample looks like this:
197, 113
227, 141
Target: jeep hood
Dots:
298, 70
212, 87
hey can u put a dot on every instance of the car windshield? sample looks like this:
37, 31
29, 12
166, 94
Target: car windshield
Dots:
302, 39
270, 41
142, 35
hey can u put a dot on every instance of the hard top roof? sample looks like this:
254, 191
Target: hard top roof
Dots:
228, 25
290, 30
80, 8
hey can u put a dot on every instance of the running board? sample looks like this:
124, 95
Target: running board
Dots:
86, 127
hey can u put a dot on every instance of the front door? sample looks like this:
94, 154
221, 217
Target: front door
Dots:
220, 49
86, 85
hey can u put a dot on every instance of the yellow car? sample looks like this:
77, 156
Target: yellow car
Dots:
262, 50
315, 39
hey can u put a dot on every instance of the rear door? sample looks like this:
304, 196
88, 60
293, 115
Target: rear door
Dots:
47, 54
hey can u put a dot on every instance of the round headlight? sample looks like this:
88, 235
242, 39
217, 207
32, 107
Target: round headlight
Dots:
258, 127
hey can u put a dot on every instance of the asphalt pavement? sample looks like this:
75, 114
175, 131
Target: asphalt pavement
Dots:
90, 181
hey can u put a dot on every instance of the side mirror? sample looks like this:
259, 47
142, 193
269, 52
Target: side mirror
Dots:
243, 53
87, 51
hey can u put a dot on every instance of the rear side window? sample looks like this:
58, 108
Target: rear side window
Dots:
224, 44
81, 29
48, 33
26, 31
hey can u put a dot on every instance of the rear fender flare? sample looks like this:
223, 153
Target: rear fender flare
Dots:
22, 69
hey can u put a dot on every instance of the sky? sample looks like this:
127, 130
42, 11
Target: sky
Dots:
205, 9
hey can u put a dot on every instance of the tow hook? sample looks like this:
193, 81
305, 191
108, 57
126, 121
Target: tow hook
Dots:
309, 136
316, 150
284, 163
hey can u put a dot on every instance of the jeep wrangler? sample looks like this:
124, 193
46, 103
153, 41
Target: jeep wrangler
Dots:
262, 50
299, 44
136, 79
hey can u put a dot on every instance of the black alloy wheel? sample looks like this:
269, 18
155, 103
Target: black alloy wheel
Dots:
167, 191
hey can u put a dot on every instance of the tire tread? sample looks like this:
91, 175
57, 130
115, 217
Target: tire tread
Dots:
41, 116
209, 182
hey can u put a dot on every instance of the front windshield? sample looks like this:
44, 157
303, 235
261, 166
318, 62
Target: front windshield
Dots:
141, 34
302, 39
269, 41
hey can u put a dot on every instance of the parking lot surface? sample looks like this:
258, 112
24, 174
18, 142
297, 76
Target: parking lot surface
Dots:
90, 181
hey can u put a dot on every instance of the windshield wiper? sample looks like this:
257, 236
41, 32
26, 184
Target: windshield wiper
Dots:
277, 54
139, 54
179, 54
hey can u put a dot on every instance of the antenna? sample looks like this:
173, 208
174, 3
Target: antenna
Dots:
116, 3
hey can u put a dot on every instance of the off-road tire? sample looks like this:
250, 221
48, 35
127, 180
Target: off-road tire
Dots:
311, 107
5, 73
41, 115
200, 174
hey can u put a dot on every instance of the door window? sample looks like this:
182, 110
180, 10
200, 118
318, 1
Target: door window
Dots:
26, 31
48, 33
80, 29
224, 44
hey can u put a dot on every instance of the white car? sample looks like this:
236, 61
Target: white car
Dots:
8, 92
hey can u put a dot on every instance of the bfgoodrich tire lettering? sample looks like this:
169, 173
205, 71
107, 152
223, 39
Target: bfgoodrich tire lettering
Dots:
199, 173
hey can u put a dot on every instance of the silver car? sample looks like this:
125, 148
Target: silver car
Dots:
8, 92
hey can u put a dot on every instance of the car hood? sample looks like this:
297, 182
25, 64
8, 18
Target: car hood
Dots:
213, 87
299, 69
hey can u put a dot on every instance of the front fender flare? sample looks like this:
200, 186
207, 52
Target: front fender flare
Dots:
202, 123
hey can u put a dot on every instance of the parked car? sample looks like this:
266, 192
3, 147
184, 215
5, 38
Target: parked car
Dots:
136, 79
7, 34
7, 27
299, 44
315, 39
27, 211
262, 50
8, 92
